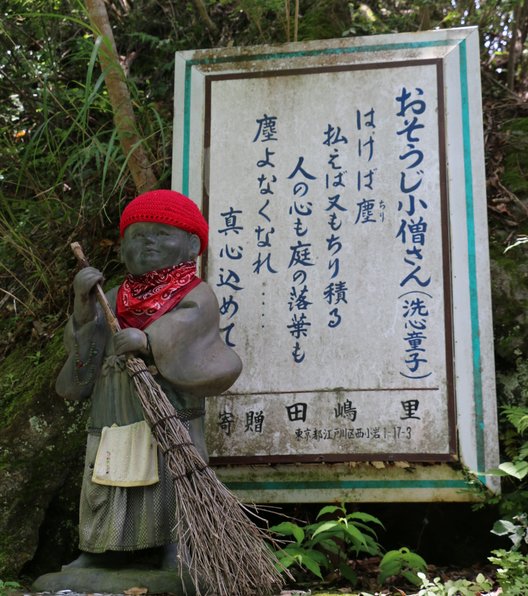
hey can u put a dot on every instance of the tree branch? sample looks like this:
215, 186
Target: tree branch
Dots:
200, 6
124, 119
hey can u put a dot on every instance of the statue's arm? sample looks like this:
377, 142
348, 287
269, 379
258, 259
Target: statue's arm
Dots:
85, 338
85, 345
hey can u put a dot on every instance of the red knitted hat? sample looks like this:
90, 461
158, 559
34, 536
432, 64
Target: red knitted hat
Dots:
166, 207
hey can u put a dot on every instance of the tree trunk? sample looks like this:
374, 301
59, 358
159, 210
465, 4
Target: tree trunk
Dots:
124, 119
296, 22
287, 16
204, 15
425, 18
512, 51
523, 33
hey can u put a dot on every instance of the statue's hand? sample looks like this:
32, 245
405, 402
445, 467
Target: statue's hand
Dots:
130, 340
84, 283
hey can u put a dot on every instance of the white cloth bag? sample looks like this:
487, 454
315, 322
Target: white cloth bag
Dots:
126, 456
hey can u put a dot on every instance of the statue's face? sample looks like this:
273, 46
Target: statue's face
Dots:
150, 246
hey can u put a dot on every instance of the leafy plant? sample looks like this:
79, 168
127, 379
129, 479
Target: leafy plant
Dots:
300, 551
514, 445
513, 503
512, 571
402, 563
328, 544
7, 587
516, 530
457, 587
512, 565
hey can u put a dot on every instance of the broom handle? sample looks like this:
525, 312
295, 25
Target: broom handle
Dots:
111, 319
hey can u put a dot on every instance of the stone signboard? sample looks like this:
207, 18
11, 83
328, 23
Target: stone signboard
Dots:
344, 187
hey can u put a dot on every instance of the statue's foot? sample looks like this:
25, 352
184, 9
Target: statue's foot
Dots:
170, 559
109, 559
84, 561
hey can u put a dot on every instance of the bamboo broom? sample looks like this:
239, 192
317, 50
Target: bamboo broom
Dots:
225, 552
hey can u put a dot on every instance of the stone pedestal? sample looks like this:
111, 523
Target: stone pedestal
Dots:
115, 581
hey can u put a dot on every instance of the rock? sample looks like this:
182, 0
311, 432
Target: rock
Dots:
41, 443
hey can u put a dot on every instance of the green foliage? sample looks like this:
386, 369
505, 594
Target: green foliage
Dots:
518, 417
62, 172
299, 552
510, 297
512, 571
266, 19
516, 530
512, 565
516, 156
402, 563
458, 587
6, 587
515, 501
324, 19
55, 146
330, 543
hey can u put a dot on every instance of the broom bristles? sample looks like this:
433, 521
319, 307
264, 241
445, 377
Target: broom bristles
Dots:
224, 551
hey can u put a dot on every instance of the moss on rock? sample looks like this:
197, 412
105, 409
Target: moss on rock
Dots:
41, 445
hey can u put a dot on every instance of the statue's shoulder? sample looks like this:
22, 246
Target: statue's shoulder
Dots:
201, 295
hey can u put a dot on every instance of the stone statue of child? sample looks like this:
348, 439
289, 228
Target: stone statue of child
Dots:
169, 317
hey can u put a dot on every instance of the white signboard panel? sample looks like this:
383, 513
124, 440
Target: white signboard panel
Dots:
343, 185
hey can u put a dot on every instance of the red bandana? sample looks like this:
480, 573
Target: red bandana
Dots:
141, 299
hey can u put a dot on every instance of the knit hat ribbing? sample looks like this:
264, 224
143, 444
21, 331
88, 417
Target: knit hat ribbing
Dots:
166, 207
